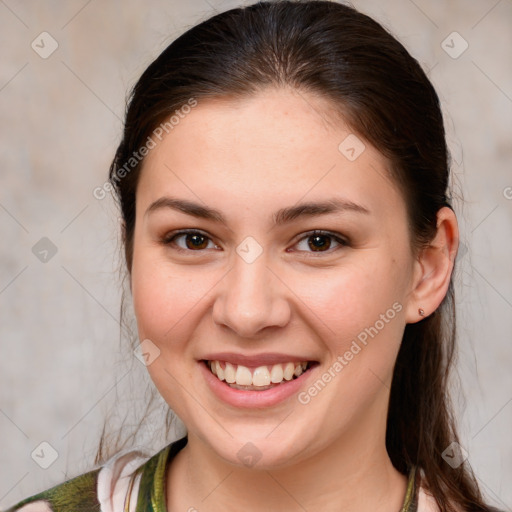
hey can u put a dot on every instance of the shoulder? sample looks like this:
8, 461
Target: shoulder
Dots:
79, 493
101, 490
427, 503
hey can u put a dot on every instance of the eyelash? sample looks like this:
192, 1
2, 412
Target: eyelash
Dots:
169, 240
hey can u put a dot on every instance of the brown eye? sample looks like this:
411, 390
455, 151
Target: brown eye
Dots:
188, 241
321, 242
194, 241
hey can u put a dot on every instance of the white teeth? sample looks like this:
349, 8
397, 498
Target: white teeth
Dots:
288, 371
230, 373
219, 371
243, 376
276, 374
262, 377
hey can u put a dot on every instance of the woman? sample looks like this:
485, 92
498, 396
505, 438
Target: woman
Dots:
290, 246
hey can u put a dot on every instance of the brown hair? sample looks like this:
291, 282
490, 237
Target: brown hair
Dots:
385, 97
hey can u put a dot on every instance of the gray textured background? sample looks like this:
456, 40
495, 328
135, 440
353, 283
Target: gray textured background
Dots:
60, 124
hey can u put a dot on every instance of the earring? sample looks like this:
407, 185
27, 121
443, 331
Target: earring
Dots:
421, 312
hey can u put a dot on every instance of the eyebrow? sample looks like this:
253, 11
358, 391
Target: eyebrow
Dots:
282, 216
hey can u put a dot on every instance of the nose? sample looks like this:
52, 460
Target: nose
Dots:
251, 298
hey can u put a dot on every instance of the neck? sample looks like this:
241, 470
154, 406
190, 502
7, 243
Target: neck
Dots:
352, 474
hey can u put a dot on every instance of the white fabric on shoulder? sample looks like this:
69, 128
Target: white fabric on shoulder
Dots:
114, 480
426, 502
36, 506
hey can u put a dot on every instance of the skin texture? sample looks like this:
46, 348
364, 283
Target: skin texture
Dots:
249, 158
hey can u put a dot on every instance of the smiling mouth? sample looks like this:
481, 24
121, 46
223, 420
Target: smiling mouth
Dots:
260, 378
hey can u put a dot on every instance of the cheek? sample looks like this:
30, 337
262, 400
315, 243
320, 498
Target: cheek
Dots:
156, 302
165, 301
166, 297
359, 318
346, 303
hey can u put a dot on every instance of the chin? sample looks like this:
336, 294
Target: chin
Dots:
259, 451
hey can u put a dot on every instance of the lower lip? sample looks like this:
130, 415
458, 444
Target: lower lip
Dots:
253, 399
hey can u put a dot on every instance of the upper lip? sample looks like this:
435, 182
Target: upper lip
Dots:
255, 360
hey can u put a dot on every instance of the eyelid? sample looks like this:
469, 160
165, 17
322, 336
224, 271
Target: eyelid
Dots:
172, 234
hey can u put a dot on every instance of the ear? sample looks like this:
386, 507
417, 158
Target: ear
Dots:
433, 268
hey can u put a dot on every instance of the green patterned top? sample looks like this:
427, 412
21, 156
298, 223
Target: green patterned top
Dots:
92, 491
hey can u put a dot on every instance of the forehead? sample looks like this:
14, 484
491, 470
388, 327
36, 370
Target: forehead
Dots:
274, 144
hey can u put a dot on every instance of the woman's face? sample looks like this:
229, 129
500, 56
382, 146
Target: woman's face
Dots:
255, 290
